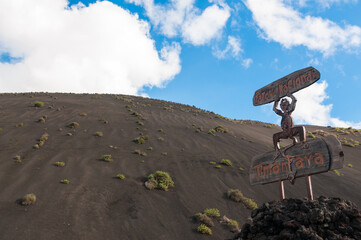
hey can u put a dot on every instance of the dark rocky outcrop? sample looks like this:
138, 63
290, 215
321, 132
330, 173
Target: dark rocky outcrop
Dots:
324, 218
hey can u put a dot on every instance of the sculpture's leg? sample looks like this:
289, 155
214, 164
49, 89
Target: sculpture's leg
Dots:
276, 144
301, 130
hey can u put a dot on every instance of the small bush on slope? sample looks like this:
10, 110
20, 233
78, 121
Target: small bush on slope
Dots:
159, 180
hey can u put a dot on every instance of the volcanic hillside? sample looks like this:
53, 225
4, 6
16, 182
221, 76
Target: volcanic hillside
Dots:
142, 136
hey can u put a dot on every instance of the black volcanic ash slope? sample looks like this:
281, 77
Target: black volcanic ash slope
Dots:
97, 205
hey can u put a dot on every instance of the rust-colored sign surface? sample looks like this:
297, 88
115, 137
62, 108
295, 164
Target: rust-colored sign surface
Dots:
288, 84
319, 155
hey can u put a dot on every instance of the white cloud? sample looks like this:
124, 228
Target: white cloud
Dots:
182, 18
247, 62
235, 45
170, 17
314, 61
328, 3
323, 3
281, 23
199, 30
101, 48
233, 49
311, 110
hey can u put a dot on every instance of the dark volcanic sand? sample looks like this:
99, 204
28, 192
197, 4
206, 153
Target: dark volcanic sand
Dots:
96, 205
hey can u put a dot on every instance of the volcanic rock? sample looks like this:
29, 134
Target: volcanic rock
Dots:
324, 218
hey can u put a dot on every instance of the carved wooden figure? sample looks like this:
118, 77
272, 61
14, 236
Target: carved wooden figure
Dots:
297, 160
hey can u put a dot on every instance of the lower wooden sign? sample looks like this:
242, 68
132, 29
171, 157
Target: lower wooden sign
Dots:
316, 156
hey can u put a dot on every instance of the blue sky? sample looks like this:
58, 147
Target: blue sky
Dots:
212, 54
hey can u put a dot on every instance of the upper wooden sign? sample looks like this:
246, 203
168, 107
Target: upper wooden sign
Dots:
288, 84
321, 155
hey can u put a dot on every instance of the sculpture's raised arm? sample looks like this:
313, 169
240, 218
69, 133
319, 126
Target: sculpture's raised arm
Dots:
293, 103
277, 111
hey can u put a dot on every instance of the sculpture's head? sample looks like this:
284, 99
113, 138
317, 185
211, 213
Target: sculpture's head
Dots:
284, 104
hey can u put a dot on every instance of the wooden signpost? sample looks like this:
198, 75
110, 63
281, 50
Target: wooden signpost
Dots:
304, 158
319, 155
288, 84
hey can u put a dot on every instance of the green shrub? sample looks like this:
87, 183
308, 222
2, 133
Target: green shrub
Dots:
140, 123
346, 143
336, 172
140, 116
103, 120
41, 143
230, 223
120, 176
65, 181
83, 114
204, 229
41, 120
226, 162
233, 225
213, 162
36, 146
354, 142
212, 131
199, 129
137, 151
38, 104
218, 166
237, 196
250, 204
18, 158
150, 148
73, 125
311, 135
20, 124
44, 137
241, 169
98, 134
212, 212
221, 129
141, 139
107, 158
28, 199
159, 180
160, 139
350, 165
203, 218
59, 164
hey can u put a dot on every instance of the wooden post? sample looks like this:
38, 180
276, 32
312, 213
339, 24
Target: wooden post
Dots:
309, 187
282, 190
